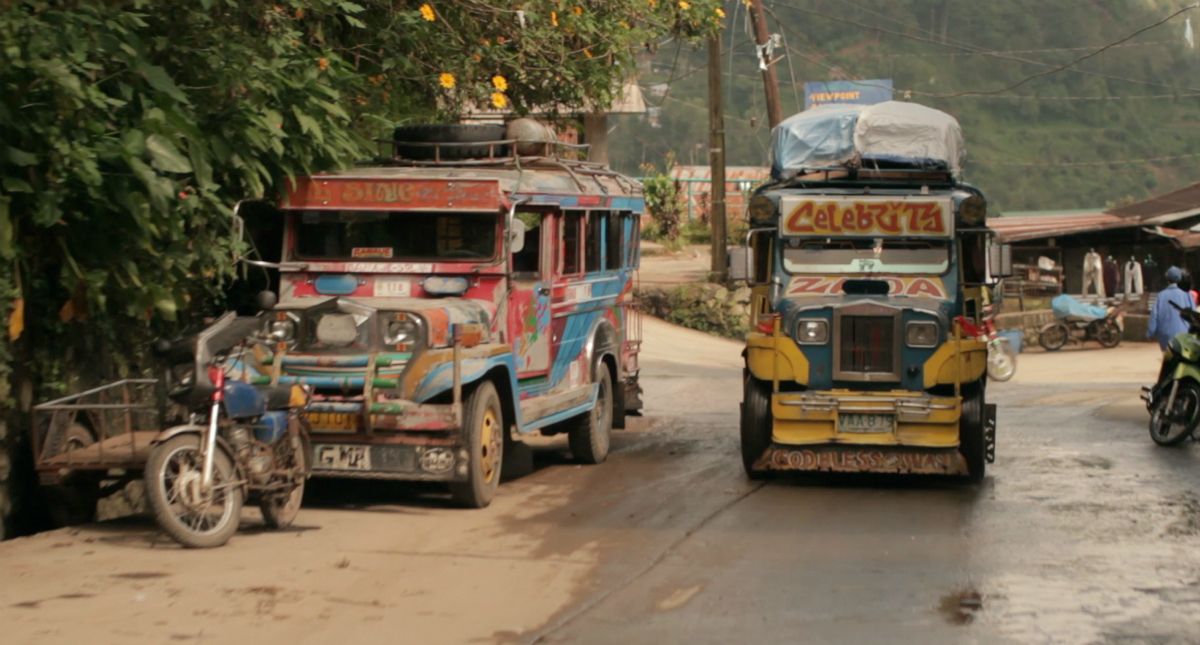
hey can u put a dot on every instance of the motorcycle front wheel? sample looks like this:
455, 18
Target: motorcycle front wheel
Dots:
194, 516
1052, 337
1170, 427
1002, 362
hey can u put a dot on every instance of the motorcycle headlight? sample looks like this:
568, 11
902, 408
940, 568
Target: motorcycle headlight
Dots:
921, 334
812, 332
401, 331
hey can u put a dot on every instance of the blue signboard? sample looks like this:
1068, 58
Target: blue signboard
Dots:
866, 92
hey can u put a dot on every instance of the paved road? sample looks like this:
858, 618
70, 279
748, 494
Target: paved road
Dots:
1083, 532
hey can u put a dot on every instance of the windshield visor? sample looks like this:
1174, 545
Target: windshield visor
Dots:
866, 256
384, 235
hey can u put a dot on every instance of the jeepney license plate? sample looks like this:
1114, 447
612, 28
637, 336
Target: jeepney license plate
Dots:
866, 423
334, 457
334, 421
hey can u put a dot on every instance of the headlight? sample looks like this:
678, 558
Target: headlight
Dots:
973, 210
812, 332
921, 334
761, 209
401, 331
282, 331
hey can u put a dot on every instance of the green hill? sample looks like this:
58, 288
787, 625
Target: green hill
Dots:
1116, 127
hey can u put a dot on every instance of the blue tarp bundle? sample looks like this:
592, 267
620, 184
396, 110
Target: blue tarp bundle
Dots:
1065, 306
818, 138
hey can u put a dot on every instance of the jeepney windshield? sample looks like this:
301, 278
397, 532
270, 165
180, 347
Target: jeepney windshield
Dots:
864, 255
384, 235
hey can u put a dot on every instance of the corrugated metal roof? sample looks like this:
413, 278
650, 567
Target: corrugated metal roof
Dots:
732, 173
1184, 202
1032, 227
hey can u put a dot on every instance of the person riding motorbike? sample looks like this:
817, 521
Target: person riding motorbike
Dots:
1165, 321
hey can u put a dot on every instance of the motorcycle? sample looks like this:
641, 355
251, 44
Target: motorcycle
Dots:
1001, 359
1079, 322
1174, 400
241, 442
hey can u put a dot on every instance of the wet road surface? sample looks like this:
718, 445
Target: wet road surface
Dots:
1083, 531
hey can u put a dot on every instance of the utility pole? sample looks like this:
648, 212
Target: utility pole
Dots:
770, 83
716, 159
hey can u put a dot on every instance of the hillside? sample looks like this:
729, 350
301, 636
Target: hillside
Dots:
1077, 138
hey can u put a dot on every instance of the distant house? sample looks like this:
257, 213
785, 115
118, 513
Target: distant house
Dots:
695, 182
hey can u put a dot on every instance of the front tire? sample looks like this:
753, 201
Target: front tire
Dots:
756, 425
591, 435
1053, 337
189, 515
483, 425
971, 429
1170, 428
1109, 335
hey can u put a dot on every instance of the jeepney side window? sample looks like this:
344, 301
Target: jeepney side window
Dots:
527, 262
595, 233
614, 235
762, 242
572, 232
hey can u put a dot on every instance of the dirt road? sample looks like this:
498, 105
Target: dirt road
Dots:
1084, 531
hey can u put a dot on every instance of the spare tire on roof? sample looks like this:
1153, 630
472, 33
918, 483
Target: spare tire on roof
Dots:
453, 133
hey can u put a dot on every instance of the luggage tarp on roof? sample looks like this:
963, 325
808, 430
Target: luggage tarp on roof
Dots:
892, 133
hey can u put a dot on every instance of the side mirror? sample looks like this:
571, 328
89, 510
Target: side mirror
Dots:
1000, 260
266, 300
516, 236
741, 258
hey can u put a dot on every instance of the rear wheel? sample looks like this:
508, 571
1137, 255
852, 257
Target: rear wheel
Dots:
971, 430
755, 425
483, 427
591, 435
280, 510
1171, 427
1109, 334
1052, 337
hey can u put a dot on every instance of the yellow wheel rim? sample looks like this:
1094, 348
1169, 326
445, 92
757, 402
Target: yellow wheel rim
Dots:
490, 437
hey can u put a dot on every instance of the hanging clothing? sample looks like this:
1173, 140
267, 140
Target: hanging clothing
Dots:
1165, 321
1112, 276
1093, 273
1151, 273
1134, 286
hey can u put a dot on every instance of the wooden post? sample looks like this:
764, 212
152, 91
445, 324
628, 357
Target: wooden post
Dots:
595, 128
716, 160
770, 82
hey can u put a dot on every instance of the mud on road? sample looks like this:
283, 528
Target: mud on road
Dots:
1083, 531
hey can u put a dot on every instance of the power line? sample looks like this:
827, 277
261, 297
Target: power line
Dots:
1002, 56
1075, 164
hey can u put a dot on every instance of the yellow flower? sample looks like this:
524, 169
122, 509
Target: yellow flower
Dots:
446, 80
499, 101
685, 5
427, 12
578, 10
624, 25
587, 52
500, 83
720, 12
554, 18
652, 3
323, 63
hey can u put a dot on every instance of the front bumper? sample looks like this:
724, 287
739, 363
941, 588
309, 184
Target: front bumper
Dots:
919, 420
341, 457
895, 460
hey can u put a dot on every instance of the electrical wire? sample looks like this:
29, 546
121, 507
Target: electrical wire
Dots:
1076, 164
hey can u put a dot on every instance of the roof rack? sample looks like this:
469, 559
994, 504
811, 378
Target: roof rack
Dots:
504, 153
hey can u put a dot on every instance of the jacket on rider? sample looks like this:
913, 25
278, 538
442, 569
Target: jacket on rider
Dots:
1165, 321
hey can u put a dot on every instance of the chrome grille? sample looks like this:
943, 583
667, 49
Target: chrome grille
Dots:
867, 348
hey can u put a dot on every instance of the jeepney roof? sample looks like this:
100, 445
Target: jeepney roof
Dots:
567, 178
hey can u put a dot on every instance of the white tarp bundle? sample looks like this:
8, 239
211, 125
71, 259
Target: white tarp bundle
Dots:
893, 133
906, 133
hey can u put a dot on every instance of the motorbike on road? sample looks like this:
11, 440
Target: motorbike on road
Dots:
1080, 322
1174, 401
241, 442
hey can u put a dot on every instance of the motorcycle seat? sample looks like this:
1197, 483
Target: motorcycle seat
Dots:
278, 397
